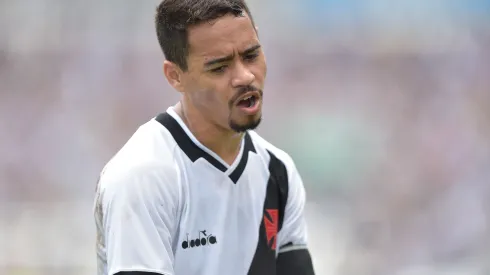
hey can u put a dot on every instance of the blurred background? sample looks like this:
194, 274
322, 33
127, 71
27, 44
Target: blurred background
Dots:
388, 102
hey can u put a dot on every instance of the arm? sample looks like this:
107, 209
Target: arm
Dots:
139, 207
293, 255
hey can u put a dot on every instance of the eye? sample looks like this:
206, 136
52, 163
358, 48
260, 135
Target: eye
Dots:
218, 70
251, 57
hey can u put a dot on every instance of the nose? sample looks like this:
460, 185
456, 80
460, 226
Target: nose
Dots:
242, 76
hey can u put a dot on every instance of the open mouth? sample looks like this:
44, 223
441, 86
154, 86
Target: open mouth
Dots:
248, 101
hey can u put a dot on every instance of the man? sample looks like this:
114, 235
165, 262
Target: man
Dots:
195, 190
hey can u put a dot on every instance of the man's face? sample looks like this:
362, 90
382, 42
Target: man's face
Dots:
226, 72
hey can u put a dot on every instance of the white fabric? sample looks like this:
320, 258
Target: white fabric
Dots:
152, 199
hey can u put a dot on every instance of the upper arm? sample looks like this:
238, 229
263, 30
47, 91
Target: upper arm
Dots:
293, 254
293, 234
139, 212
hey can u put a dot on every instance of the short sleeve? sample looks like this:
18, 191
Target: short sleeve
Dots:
139, 209
293, 234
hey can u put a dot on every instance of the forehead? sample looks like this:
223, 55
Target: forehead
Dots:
221, 37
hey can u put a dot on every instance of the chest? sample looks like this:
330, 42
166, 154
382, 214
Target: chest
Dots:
223, 224
217, 205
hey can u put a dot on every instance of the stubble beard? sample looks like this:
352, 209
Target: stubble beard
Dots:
243, 127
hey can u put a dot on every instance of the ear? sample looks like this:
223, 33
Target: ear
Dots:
173, 74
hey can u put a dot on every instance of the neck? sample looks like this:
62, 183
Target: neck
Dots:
224, 142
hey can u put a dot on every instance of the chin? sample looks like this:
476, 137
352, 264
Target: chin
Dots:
241, 127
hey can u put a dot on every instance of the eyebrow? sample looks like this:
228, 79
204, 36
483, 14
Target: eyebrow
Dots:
230, 57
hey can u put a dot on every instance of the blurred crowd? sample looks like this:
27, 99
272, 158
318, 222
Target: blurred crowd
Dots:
385, 108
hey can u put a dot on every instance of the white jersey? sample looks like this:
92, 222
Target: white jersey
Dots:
167, 204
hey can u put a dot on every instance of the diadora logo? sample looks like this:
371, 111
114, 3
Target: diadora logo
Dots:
202, 239
271, 222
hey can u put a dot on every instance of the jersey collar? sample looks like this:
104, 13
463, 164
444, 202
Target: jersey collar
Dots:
196, 150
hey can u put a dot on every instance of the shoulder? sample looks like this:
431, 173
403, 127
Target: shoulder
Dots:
150, 143
272, 152
151, 180
282, 167
147, 170
149, 154
145, 164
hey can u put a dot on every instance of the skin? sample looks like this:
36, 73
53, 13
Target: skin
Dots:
225, 61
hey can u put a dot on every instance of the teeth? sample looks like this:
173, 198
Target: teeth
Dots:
247, 98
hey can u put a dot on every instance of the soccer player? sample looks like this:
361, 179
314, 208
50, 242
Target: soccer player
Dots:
195, 191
